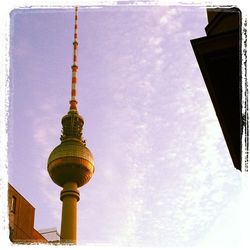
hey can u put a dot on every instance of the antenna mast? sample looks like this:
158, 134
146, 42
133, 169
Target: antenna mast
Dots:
74, 67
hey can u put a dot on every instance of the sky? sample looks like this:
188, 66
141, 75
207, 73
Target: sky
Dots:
163, 174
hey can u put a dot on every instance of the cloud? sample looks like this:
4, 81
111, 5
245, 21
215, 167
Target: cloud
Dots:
46, 133
155, 41
171, 21
164, 20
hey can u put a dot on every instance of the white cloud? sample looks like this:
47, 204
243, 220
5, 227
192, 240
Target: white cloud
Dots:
155, 41
164, 20
170, 18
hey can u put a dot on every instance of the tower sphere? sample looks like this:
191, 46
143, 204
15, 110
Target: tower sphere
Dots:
71, 161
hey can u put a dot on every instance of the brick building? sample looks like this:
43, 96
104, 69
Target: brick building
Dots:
21, 219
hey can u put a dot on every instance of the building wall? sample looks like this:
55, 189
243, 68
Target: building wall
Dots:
21, 218
37, 237
219, 57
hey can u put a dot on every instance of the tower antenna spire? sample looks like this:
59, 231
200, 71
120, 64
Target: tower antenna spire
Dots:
74, 66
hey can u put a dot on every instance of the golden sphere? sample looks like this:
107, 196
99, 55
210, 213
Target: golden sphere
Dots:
71, 161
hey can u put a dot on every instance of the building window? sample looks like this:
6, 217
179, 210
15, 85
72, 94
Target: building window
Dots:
13, 204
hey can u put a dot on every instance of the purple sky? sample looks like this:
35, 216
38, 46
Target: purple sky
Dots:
164, 176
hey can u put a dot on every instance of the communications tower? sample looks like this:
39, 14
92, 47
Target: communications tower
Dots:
71, 164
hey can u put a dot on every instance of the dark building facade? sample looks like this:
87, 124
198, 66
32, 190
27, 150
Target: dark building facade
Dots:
21, 219
219, 57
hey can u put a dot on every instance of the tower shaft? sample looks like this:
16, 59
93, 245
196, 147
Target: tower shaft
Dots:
69, 196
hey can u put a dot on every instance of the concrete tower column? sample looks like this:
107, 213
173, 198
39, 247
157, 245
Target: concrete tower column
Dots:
69, 196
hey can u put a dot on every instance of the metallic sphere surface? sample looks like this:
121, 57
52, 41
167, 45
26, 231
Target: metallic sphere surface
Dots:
71, 161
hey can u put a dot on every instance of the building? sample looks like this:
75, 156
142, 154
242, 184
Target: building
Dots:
219, 57
50, 234
21, 219
71, 164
